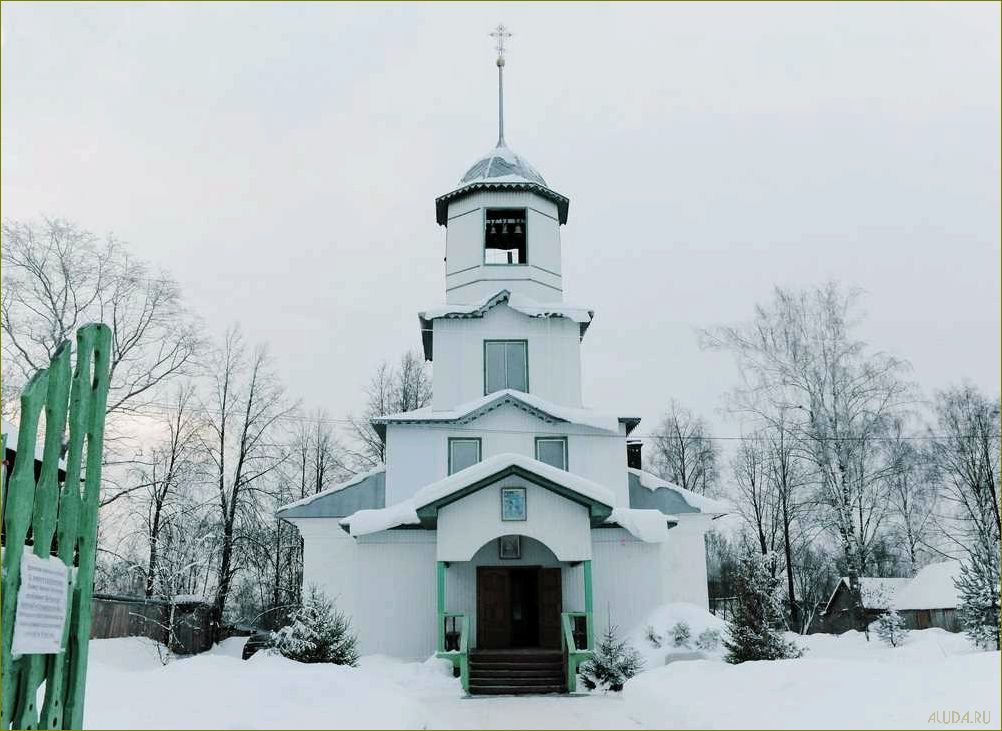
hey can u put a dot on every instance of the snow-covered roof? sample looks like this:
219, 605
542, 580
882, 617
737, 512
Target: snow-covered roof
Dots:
364, 522
546, 410
876, 592
11, 430
649, 525
698, 503
501, 168
518, 302
501, 165
406, 511
311, 499
932, 588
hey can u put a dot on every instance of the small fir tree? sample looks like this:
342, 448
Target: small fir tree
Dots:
317, 632
615, 661
978, 585
681, 634
891, 628
651, 635
754, 630
708, 640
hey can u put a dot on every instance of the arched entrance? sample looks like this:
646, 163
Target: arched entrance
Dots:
518, 606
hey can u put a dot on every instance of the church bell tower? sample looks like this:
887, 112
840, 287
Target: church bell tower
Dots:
502, 223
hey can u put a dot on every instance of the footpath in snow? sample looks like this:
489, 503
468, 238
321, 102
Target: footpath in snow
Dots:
841, 682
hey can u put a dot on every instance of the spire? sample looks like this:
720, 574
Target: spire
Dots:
500, 35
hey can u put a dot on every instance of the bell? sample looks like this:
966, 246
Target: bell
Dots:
518, 228
494, 229
504, 230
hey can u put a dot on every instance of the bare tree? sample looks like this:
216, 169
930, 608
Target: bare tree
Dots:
390, 390
168, 479
799, 356
682, 451
756, 502
248, 401
57, 276
912, 495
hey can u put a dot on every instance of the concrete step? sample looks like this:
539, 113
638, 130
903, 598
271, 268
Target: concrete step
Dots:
490, 666
483, 679
516, 689
526, 672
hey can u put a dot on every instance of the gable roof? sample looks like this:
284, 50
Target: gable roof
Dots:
650, 491
518, 302
876, 592
540, 408
423, 507
932, 588
366, 490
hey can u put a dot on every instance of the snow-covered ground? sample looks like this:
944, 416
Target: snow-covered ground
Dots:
841, 682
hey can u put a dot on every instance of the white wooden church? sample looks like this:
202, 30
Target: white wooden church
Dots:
506, 527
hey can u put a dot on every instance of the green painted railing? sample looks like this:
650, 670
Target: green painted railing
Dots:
460, 657
61, 511
575, 651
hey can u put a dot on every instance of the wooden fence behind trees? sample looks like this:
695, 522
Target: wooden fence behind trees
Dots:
129, 616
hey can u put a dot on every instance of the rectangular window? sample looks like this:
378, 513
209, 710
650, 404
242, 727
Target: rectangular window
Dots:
505, 237
552, 451
463, 453
506, 365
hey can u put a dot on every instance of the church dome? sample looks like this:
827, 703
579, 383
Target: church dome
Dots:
501, 165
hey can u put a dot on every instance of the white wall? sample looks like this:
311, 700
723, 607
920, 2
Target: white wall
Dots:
554, 351
417, 455
684, 560
385, 582
627, 579
468, 280
562, 525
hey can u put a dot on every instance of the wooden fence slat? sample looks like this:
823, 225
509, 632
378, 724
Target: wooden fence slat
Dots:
17, 513
84, 589
43, 524
69, 517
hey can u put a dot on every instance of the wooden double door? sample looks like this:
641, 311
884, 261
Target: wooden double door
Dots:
518, 607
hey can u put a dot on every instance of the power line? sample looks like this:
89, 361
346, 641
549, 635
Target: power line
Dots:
157, 409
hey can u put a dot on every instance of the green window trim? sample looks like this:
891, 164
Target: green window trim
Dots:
453, 440
567, 459
525, 357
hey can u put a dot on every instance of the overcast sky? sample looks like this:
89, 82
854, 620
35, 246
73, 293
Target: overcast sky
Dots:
282, 161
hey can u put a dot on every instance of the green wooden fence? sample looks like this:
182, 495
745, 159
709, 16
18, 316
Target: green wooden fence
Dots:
63, 522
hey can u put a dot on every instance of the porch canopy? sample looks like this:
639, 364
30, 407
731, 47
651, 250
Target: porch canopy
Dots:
560, 509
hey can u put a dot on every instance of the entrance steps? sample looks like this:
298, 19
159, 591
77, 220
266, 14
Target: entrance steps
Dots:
517, 672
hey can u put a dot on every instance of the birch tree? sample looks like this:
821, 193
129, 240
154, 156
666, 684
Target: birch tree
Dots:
799, 356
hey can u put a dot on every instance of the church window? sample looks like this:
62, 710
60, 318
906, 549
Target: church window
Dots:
552, 451
463, 453
506, 365
505, 236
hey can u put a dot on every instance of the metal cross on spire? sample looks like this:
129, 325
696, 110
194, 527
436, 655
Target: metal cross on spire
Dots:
500, 35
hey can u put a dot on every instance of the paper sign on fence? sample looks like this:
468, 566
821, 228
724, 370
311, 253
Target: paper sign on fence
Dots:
41, 606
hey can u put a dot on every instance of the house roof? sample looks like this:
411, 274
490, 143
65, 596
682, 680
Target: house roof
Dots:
932, 588
423, 507
10, 430
541, 408
650, 491
876, 592
518, 302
